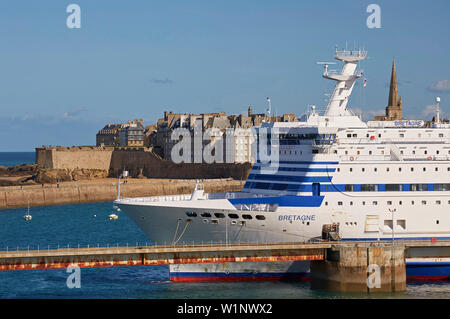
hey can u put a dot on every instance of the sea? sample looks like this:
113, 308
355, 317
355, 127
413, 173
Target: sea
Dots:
17, 158
83, 225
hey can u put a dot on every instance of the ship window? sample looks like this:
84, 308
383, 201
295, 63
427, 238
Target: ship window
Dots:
363, 169
247, 216
387, 169
349, 135
191, 214
424, 202
339, 203
349, 187
442, 187
399, 169
370, 152
355, 135
204, 214
326, 203
438, 202
436, 169
369, 187
375, 169
394, 187
389, 202
424, 169
437, 222
260, 217
351, 169
412, 169
214, 221
234, 216
375, 203
219, 215
425, 152
418, 187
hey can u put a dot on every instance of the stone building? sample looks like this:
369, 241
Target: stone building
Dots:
394, 108
108, 135
228, 137
132, 133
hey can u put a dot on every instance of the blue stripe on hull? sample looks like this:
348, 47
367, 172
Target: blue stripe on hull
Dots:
290, 201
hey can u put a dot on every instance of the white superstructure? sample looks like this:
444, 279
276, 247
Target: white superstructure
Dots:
371, 180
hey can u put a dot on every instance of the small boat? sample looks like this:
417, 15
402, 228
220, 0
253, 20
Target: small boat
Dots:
113, 216
27, 215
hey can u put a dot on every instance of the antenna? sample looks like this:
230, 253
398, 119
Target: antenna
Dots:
269, 109
438, 100
325, 65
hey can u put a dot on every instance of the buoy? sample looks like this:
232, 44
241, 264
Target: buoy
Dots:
429, 158
352, 158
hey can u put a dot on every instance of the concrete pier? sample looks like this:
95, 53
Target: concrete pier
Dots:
361, 268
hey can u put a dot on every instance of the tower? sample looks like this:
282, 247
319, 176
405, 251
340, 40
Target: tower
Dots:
394, 108
345, 80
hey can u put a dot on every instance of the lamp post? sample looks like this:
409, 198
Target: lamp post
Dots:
124, 174
392, 210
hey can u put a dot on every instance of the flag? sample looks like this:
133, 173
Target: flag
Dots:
365, 82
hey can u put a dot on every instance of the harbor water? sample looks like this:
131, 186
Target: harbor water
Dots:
89, 224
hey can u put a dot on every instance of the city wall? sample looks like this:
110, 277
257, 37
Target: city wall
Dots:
139, 162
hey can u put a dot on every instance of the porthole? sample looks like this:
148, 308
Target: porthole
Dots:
260, 217
234, 216
205, 214
219, 215
247, 216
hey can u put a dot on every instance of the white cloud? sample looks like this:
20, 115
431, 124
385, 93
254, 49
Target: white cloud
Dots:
74, 113
440, 86
431, 110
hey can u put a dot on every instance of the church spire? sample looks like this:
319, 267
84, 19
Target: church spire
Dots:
393, 90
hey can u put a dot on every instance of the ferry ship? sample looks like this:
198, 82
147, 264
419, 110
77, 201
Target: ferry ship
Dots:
335, 177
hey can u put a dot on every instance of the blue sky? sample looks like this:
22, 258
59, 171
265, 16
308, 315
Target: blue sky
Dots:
135, 59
